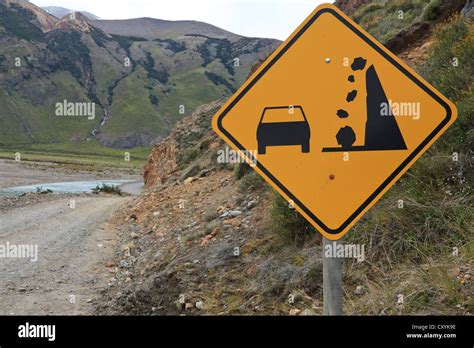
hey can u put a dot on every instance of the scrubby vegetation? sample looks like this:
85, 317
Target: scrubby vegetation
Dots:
205, 54
160, 75
219, 80
3, 59
223, 52
187, 157
99, 37
41, 191
432, 10
384, 19
74, 55
251, 182
241, 169
413, 231
173, 45
126, 42
153, 99
107, 189
288, 225
17, 21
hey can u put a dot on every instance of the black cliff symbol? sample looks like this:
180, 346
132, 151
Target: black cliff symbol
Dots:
382, 132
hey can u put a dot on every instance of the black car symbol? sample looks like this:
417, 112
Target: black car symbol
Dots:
274, 130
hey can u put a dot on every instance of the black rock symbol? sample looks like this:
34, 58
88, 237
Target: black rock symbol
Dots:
346, 137
351, 96
342, 113
359, 64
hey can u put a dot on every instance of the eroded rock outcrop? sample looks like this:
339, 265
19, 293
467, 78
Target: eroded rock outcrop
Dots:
193, 134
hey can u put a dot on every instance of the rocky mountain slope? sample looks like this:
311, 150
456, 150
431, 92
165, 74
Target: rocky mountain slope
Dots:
211, 238
141, 86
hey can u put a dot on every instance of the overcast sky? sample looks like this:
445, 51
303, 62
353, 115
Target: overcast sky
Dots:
258, 18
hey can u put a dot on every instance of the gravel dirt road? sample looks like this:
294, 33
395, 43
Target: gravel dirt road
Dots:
75, 246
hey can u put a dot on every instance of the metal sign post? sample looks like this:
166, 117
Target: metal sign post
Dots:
332, 282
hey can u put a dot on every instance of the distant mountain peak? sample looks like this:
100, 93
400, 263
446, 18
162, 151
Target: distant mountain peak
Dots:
75, 20
61, 12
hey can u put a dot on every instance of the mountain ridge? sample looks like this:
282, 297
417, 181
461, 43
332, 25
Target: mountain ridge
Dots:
153, 28
141, 87
59, 12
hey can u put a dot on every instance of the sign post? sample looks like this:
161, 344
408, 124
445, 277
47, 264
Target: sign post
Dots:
332, 283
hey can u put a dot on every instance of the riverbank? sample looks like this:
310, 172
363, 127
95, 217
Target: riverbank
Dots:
13, 174
88, 156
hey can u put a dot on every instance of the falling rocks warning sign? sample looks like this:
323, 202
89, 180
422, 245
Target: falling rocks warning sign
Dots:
333, 119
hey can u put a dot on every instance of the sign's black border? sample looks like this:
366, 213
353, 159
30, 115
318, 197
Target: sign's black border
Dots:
433, 134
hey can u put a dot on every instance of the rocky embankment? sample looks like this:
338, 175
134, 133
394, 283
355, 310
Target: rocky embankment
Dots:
197, 242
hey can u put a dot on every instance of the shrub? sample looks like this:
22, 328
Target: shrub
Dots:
43, 192
241, 169
3, 67
153, 99
211, 215
288, 224
205, 54
204, 145
173, 45
432, 10
219, 80
107, 189
189, 156
160, 75
224, 53
99, 37
251, 182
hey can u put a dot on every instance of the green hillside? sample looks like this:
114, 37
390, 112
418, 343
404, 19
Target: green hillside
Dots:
140, 87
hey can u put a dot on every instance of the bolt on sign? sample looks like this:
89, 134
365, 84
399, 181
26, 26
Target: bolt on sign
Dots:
334, 120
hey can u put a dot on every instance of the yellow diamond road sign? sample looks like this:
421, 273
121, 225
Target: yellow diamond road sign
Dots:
333, 119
